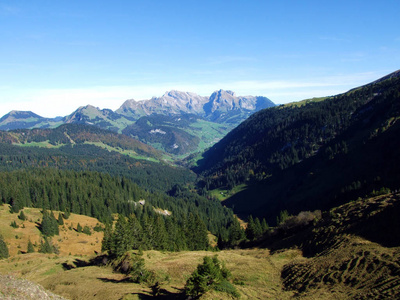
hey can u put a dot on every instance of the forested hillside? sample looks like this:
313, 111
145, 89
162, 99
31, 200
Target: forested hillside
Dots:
177, 135
71, 134
100, 195
309, 156
145, 173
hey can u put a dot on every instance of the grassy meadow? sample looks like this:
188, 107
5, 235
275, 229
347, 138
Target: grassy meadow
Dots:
255, 272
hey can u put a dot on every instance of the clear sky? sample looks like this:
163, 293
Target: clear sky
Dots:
57, 55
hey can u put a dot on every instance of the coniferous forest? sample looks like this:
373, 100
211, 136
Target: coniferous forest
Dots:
310, 155
187, 215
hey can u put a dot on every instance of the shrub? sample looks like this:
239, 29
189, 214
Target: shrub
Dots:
302, 219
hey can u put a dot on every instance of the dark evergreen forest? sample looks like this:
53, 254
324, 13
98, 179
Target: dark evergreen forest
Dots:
310, 155
147, 174
100, 195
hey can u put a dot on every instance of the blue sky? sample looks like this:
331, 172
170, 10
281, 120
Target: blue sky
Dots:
58, 55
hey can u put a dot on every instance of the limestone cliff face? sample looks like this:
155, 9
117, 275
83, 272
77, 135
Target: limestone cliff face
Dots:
175, 102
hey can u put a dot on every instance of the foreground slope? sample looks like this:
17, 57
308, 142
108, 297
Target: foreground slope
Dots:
311, 156
352, 252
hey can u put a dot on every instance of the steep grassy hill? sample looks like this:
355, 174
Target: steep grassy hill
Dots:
353, 251
178, 135
311, 156
69, 242
72, 134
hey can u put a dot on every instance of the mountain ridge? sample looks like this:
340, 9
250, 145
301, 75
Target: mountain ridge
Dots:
210, 118
176, 102
312, 156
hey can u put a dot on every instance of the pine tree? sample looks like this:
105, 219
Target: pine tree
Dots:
86, 230
67, 214
3, 248
45, 246
264, 226
196, 233
257, 228
235, 233
79, 228
161, 236
30, 248
22, 216
120, 239
49, 225
107, 238
60, 219
283, 216
250, 230
211, 274
136, 231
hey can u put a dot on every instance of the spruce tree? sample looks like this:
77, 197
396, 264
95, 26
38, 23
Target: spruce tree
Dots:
3, 248
79, 228
30, 248
49, 225
235, 233
86, 230
60, 219
22, 216
196, 233
161, 236
264, 225
250, 230
211, 274
257, 228
121, 238
107, 238
45, 246
136, 231
14, 224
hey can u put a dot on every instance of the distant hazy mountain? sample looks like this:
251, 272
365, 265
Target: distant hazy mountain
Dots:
219, 107
202, 120
171, 103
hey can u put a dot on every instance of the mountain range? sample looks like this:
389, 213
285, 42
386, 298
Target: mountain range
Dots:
323, 172
207, 119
